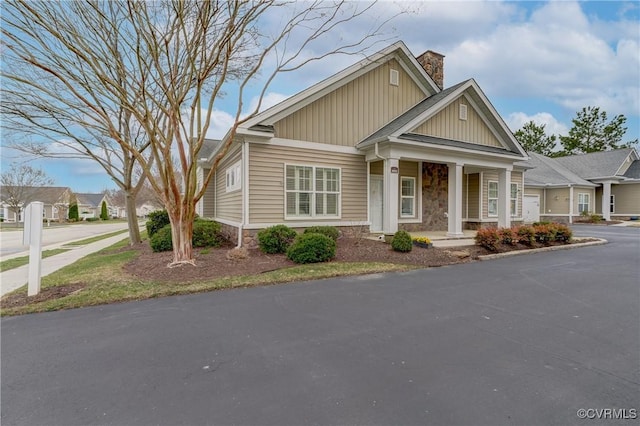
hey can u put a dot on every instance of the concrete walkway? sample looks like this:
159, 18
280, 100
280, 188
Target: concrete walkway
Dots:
15, 278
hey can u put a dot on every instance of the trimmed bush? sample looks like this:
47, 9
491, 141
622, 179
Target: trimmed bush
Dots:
488, 238
157, 220
544, 234
276, 239
92, 219
330, 231
563, 233
312, 248
104, 214
509, 236
206, 233
161, 239
526, 235
74, 214
402, 242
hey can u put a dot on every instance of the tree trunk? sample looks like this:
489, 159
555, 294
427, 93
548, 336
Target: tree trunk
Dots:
181, 235
132, 218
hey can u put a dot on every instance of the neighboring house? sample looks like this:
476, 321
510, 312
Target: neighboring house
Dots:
90, 205
54, 198
379, 145
563, 188
143, 209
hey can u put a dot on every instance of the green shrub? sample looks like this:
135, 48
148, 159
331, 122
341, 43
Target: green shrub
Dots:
92, 219
161, 239
544, 234
206, 233
402, 242
157, 220
526, 235
488, 238
330, 231
563, 233
74, 214
104, 214
312, 248
276, 239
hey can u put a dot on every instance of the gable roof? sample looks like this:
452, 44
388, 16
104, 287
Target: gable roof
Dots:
402, 125
633, 172
45, 194
546, 171
398, 51
93, 200
597, 164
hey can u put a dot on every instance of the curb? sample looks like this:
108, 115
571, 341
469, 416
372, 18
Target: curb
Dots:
599, 242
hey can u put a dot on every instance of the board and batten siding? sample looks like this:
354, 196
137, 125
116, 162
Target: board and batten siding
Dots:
267, 180
354, 111
376, 168
447, 124
228, 204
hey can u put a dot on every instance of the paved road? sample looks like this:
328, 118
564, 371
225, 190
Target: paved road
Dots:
523, 340
11, 241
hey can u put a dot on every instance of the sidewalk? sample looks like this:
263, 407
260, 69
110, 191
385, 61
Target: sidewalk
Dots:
18, 277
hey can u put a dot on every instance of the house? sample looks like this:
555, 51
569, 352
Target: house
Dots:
563, 188
380, 145
90, 205
54, 198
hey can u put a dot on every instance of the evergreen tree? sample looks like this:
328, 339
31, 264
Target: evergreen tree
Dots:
74, 214
591, 132
104, 214
533, 138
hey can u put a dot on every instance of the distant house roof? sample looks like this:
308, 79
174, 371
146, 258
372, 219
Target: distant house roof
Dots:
92, 200
633, 172
547, 171
209, 146
596, 164
45, 194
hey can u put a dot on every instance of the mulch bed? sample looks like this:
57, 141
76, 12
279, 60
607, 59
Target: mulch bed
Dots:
57, 292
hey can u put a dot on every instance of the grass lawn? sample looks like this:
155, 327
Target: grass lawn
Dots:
100, 279
96, 238
16, 262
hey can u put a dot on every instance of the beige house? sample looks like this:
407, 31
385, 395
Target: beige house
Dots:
54, 198
562, 189
90, 204
379, 145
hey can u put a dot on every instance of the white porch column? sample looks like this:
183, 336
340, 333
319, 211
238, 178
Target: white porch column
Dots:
504, 197
390, 196
571, 199
455, 200
606, 200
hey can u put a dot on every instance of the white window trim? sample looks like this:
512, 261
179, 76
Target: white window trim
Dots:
312, 206
413, 197
514, 213
233, 177
489, 198
588, 203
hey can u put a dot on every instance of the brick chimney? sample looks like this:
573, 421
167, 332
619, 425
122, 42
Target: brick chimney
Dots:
433, 64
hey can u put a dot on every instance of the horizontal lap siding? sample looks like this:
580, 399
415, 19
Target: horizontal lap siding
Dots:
447, 124
627, 199
559, 205
266, 177
474, 195
354, 111
228, 205
516, 177
493, 177
209, 198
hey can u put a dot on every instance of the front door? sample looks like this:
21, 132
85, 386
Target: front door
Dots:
376, 196
531, 208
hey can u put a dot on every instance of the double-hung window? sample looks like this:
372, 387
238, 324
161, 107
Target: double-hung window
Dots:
583, 203
514, 200
407, 197
233, 177
612, 204
492, 199
312, 191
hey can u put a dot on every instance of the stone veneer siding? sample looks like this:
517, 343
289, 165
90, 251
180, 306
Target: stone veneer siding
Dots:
435, 199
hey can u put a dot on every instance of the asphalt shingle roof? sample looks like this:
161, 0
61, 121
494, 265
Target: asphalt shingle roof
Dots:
90, 199
547, 171
46, 194
596, 164
633, 172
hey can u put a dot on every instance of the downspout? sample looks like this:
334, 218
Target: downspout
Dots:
570, 204
245, 192
375, 151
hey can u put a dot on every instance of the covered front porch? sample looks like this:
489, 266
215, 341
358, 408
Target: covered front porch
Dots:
432, 191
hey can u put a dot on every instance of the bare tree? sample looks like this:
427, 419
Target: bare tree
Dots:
167, 63
21, 185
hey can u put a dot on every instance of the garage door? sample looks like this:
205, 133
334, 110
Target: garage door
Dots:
531, 208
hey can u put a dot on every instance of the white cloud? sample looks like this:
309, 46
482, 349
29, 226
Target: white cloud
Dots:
221, 122
516, 120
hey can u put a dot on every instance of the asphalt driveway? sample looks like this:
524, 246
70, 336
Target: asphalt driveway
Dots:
522, 340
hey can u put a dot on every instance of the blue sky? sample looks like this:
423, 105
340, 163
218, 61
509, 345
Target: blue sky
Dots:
540, 61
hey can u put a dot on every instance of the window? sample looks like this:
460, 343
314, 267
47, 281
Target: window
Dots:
407, 197
514, 200
233, 177
583, 202
312, 191
492, 199
612, 204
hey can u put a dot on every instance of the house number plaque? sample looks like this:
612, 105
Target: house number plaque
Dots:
394, 169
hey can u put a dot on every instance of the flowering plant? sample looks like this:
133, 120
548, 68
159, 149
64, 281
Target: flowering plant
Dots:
424, 240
